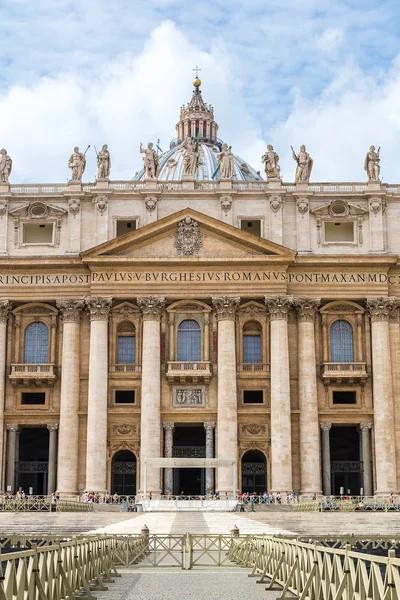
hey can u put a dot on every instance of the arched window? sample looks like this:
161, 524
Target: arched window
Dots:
252, 343
36, 347
341, 342
126, 347
189, 341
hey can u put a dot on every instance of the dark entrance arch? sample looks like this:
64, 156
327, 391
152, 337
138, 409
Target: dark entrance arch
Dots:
123, 473
254, 472
32, 464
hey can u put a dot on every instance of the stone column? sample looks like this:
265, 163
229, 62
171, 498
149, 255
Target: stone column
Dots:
51, 480
150, 426
310, 462
326, 459
5, 307
281, 438
209, 426
68, 446
11, 455
227, 434
365, 429
168, 446
385, 454
96, 444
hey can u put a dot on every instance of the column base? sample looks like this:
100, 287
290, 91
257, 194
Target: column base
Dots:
310, 493
385, 493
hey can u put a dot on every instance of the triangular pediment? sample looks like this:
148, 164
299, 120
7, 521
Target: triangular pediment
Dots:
188, 234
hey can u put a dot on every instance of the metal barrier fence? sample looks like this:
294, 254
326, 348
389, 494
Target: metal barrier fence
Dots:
42, 503
313, 572
350, 504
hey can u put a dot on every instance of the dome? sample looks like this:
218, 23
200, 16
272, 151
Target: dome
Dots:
171, 166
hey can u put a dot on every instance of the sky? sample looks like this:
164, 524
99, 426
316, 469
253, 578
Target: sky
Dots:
325, 73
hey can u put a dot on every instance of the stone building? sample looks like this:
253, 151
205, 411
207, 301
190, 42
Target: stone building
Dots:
187, 314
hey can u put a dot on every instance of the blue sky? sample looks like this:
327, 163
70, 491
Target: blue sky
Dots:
323, 73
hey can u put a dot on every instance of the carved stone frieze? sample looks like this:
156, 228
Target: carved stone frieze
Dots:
38, 210
278, 307
132, 446
125, 310
70, 309
151, 307
100, 203
189, 397
252, 309
380, 308
188, 238
5, 307
254, 428
74, 206
261, 445
124, 429
306, 308
37, 310
276, 203
225, 307
99, 308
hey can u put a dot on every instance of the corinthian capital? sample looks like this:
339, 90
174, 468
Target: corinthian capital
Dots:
278, 307
169, 426
381, 308
225, 307
306, 308
5, 307
12, 427
151, 307
99, 308
70, 309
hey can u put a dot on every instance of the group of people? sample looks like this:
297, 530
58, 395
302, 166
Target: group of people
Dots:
96, 497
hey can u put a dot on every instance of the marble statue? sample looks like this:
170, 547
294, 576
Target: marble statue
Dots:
150, 159
371, 164
190, 157
304, 165
5, 166
226, 162
77, 163
271, 160
103, 163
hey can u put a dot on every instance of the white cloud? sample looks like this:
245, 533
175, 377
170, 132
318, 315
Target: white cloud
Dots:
330, 40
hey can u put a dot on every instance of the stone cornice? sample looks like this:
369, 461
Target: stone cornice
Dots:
306, 308
5, 307
151, 307
70, 309
99, 308
225, 307
278, 307
381, 308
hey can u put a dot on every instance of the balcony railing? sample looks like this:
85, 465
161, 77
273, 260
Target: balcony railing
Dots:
347, 371
120, 368
33, 372
253, 368
184, 369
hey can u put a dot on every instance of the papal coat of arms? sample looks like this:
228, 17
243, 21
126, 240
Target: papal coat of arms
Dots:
188, 239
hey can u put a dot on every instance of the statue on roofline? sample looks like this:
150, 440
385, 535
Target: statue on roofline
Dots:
77, 164
5, 166
304, 165
271, 160
372, 164
150, 160
103, 163
226, 162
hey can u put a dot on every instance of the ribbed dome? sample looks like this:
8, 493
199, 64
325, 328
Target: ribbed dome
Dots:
171, 166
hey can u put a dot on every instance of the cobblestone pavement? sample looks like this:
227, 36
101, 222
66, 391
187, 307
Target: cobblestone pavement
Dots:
207, 584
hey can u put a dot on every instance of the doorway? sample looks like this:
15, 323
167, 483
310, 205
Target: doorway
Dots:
33, 460
123, 473
189, 442
346, 467
254, 472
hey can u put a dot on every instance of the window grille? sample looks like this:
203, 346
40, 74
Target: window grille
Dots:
189, 341
36, 347
126, 350
341, 342
252, 349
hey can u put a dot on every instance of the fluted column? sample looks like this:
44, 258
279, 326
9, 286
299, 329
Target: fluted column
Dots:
281, 437
365, 429
5, 307
168, 446
52, 464
310, 462
68, 446
385, 453
11, 456
225, 308
326, 459
209, 426
96, 445
150, 426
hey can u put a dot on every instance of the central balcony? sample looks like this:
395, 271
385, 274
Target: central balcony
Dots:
182, 372
118, 370
27, 374
349, 372
252, 370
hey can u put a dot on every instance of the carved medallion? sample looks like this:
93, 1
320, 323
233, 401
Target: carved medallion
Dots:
253, 428
188, 239
124, 429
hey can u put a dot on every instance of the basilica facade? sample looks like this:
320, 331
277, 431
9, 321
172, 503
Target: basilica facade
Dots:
200, 310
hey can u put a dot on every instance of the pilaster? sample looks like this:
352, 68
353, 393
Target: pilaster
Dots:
52, 464
74, 225
326, 458
5, 307
168, 448
209, 426
365, 429
303, 224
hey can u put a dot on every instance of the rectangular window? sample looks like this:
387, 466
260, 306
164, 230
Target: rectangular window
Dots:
347, 397
124, 396
37, 233
125, 226
251, 226
33, 398
253, 396
252, 348
126, 350
339, 232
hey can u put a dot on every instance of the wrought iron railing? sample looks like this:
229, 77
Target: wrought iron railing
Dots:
189, 451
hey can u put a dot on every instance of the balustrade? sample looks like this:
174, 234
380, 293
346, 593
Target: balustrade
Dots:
40, 372
356, 371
